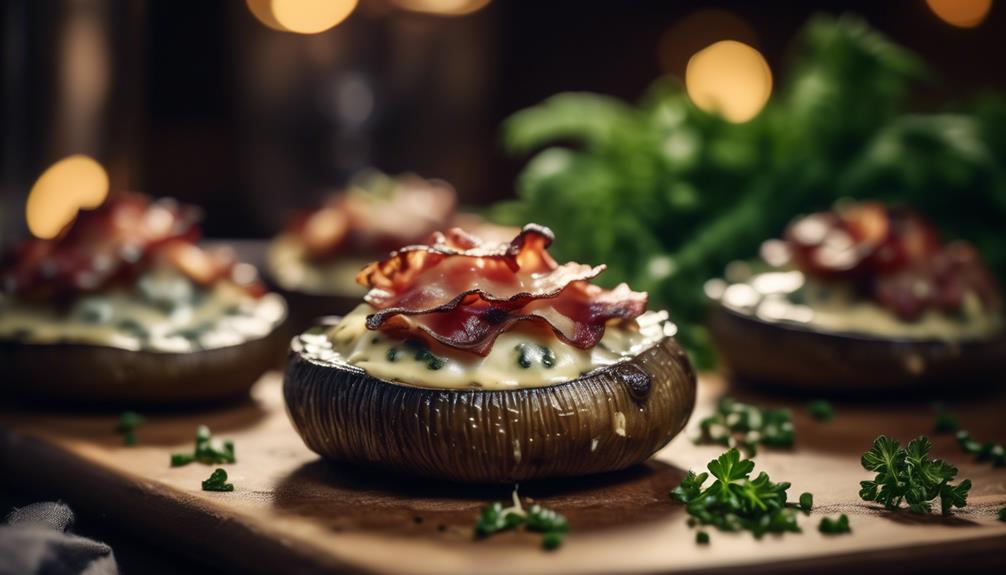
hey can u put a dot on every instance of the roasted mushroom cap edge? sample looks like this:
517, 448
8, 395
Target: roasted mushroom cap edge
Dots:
609, 419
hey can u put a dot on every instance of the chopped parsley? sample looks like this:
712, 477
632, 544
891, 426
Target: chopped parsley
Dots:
806, 502
129, 421
946, 422
737, 424
909, 475
1002, 514
392, 354
734, 501
983, 451
218, 481
496, 518
423, 354
830, 526
529, 354
821, 410
702, 537
207, 451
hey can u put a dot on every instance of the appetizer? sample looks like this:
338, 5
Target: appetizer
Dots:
863, 295
314, 262
491, 363
124, 307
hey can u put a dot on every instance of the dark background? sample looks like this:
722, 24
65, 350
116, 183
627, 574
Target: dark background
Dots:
207, 104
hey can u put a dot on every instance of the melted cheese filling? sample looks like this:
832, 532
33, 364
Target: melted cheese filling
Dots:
292, 271
787, 296
519, 358
162, 313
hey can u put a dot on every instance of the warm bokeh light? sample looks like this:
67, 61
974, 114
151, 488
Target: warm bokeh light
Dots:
73, 183
301, 16
442, 7
696, 31
729, 78
961, 13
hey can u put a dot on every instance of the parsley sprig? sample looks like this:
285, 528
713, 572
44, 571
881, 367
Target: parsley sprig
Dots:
734, 501
737, 424
129, 422
496, 518
218, 481
909, 475
207, 450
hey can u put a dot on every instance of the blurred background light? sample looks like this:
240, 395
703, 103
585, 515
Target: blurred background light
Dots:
729, 78
442, 7
301, 16
696, 31
961, 13
73, 183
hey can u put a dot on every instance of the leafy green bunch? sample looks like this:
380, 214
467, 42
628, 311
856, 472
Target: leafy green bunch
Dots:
734, 501
667, 194
737, 424
909, 475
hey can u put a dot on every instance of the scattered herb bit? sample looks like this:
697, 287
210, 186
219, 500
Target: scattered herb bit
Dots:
946, 422
702, 537
831, 526
734, 501
527, 354
375, 339
421, 353
821, 410
496, 518
207, 451
806, 502
547, 358
392, 354
129, 421
737, 424
218, 482
909, 475
1002, 514
987, 451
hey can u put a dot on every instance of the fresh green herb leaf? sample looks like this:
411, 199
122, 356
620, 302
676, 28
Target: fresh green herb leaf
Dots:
423, 354
736, 424
908, 475
734, 501
821, 410
806, 502
830, 526
702, 537
392, 354
1002, 514
218, 481
129, 421
496, 518
207, 450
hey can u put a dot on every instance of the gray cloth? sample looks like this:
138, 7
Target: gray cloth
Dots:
36, 541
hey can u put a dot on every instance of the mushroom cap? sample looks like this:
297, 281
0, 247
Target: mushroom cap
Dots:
800, 358
97, 374
608, 419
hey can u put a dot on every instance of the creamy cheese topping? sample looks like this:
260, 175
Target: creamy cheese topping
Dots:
292, 271
519, 358
164, 312
788, 296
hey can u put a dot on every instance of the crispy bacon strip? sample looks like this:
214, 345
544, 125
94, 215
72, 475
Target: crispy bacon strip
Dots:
114, 244
463, 294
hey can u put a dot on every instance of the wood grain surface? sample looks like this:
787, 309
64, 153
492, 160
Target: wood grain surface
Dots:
293, 513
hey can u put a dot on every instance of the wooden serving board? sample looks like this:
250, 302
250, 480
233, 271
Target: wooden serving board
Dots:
293, 513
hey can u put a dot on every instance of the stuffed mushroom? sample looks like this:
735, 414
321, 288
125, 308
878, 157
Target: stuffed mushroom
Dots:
863, 297
124, 307
489, 363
